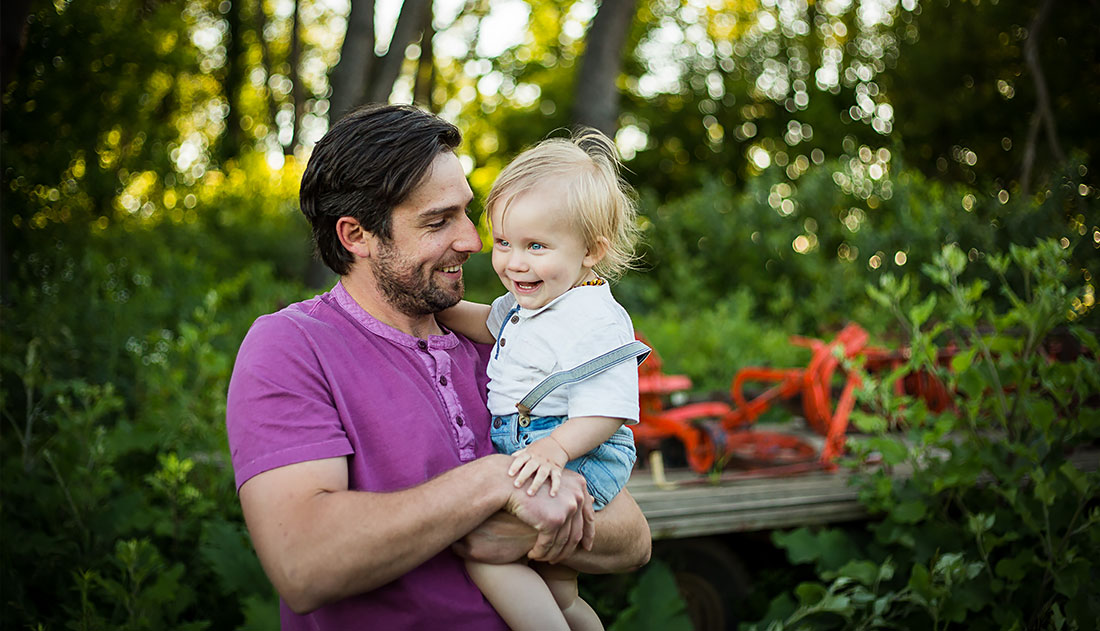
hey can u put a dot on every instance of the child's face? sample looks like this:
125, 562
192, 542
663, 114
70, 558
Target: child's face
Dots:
537, 252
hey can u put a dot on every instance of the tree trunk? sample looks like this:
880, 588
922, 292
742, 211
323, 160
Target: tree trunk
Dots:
231, 140
596, 96
409, 24
265, 61
297, 94
357, 60
13, 27
1044, 115
425, 68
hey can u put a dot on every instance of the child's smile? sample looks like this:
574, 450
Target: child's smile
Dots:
537, 252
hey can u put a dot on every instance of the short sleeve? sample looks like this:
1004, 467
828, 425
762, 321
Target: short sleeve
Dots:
280, 409
613, 392
498, 311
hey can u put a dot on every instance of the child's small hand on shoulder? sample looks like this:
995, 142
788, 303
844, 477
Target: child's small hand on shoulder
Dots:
542, 460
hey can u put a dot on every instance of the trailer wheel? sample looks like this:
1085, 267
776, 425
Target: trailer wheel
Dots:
712, 581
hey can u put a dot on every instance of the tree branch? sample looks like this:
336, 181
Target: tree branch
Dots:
1043, 115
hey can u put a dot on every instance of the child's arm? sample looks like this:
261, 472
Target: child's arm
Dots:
468, 318
545, 458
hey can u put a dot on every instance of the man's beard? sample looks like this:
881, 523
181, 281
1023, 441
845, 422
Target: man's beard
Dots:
407, 288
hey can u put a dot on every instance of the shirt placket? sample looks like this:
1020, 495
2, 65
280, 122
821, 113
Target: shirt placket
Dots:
439, 365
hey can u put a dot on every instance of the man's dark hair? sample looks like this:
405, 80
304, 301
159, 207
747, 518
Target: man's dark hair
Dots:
368, 163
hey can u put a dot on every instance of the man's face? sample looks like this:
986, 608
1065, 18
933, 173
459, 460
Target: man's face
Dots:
420, 268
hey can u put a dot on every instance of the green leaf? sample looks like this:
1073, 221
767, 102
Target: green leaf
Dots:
893, 451
836, 603
810, 594
226, 548
1088, 338
980, 522
909, 512
961, 362
868, 423
953, 259
800, 544
1076, 477
920, 313
920, 584
655, 603
1044, 491
1017, 567
864, 572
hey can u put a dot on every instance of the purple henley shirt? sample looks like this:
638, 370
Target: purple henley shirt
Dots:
323, 379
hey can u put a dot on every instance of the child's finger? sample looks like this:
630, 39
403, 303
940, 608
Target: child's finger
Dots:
555, 482
540, 477
517, 462
529, 468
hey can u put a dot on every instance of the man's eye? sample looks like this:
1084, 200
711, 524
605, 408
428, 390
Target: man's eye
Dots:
438, 224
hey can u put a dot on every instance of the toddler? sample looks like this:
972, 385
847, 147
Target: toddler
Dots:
563, 370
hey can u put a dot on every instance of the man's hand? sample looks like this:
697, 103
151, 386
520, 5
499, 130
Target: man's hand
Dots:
502, 538
562, 522
544, 459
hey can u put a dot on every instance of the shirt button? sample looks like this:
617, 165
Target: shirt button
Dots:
458, 419
443, 382
515, 319
422, 344
502, 341
496, 423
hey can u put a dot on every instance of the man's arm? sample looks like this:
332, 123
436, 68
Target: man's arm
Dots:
623, 540
320, 542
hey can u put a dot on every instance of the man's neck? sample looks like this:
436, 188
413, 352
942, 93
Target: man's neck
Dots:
365, 292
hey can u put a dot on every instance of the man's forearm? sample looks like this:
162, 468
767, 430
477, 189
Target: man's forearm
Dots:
623, 540
321, 545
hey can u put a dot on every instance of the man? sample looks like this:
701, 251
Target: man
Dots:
358, 426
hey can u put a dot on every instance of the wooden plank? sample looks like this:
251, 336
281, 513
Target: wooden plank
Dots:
696, 507
691, 505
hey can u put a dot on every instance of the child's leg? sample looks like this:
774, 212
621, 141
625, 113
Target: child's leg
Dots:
519, 595
562, 582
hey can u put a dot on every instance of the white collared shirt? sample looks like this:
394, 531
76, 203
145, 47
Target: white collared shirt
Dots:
582, 323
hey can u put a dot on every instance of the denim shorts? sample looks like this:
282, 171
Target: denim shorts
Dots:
606, 468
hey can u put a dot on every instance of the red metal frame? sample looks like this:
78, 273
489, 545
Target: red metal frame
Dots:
713, 432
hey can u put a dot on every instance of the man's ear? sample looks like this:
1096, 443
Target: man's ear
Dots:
354, 237
596, 252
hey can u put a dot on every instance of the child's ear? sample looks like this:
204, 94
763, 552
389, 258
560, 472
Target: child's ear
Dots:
354, 237
596, 252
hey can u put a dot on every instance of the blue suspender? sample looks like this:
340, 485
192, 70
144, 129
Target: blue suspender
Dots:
589, 368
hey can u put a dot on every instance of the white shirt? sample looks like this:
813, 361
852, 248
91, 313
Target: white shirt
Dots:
582, 323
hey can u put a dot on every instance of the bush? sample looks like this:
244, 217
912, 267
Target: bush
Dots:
118, 345
987, 520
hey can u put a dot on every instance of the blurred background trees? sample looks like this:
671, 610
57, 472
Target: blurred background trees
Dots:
787, 153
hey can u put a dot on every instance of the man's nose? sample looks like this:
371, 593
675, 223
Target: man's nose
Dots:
468, 239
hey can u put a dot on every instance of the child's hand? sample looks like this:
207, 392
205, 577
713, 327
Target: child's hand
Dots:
543, 459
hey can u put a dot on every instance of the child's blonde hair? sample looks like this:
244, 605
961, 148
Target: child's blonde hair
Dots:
597, 198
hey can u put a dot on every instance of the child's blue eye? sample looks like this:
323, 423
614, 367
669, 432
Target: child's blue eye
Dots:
536, 246
503, 243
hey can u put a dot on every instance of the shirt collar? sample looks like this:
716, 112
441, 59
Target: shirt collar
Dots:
530, 313
348, 305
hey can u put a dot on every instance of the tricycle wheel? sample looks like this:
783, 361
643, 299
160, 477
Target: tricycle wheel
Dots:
711, 580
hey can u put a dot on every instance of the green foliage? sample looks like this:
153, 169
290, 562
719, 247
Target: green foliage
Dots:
986, 519
131, 271
115, 362
654, 603
806, 250
710, 342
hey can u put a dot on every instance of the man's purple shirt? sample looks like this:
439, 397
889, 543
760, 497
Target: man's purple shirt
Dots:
323, 379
